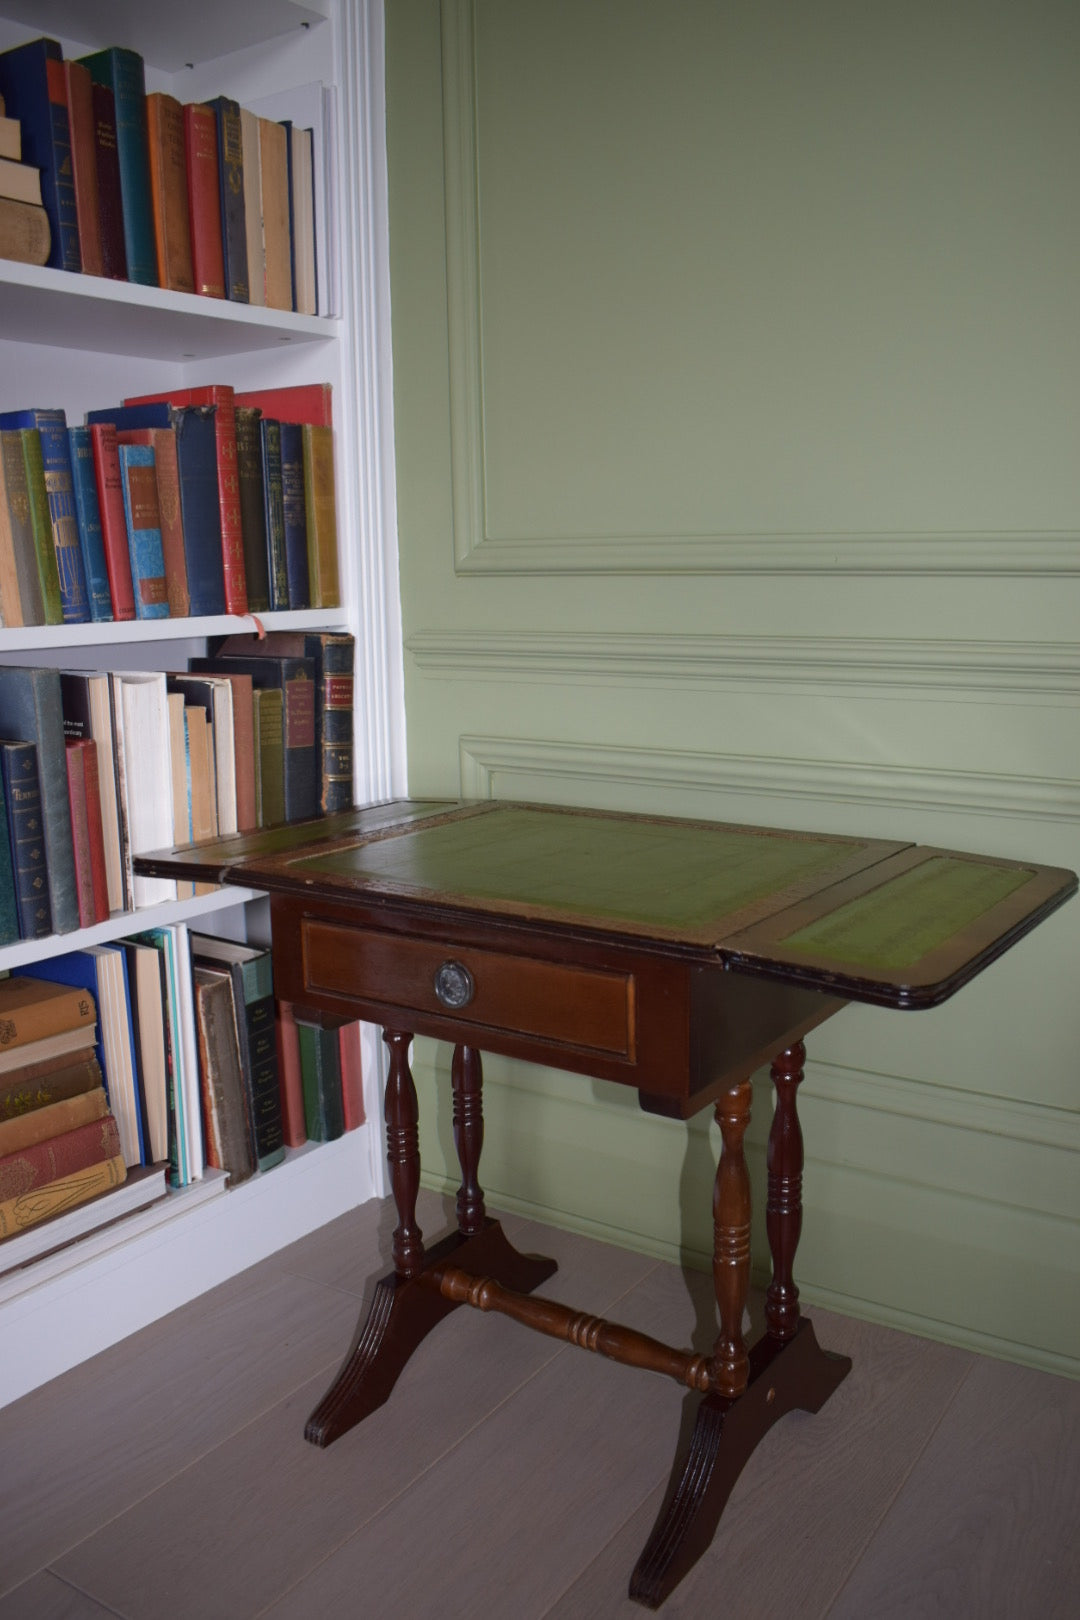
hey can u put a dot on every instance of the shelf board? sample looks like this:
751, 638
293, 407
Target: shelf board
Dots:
64, 638
169, 37
122, 923
62, 310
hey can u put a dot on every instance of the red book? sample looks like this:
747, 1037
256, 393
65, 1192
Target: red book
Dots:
232, 536
110, 203
84, 166
33, 1167
87, 837
293, 1127
163, 443
110, 492
352, 1079
310, 403
204, 200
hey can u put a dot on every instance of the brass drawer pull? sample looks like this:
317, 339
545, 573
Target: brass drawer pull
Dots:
454, 985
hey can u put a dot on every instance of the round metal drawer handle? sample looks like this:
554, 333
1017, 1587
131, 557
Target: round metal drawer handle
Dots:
454, 985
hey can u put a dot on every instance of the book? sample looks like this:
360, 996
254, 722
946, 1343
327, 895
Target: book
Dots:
10, 138
243, 755
63, 1046
181, 1054
22, 797
25, 1173
252, 182
138, 480
273, 497
114, 537
215, 695
203, 797
31, 711
42, 1124
20, 587
274, 186
204, 200
9, 910
110, 201
294, 504
311, 403
38, 1083
51, 427
292, 1087
34, 89
87, 703
35, 1007
169, 191
225, 1122
251, 970
55, 1198
84, 166
20, 182
320, 1073
179, 757
88, 516
196, 443
122, 72
24, 232
162, 441
321, 508
232, 538
86, 830
231, 185
146, 982
88, 1202
268, 746
40, 525
249, 472
352, 1075
302, 193
141, 727
295, 679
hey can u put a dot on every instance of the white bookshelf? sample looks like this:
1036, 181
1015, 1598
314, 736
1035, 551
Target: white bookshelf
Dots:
81, 342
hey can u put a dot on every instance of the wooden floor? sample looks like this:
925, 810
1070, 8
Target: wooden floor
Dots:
511, 1477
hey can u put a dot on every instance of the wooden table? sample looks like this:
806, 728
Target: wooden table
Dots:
672, 956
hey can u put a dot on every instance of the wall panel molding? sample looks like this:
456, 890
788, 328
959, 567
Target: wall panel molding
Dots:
483, 759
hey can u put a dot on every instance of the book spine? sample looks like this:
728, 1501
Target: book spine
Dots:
300, 402
56, 1197
231, 182
334, 657
167, 472
122, 70
324, 584
256, 258
200, 507
320, 1069
42, 1124
22, 601
34, 87
88, 513
41, 524
39, 1084
110, 491
352, 1075
47, 1161
268, 710
286, 125
293, 1127
257, 980
204, 200
168, 191
270, 433
274, 173
22, 790
80, 98
9, 916
110, 205
249, 472
24, 232
294, 502
139, 481
232, 532
95, 832
59, 488
224, 1105
80, 834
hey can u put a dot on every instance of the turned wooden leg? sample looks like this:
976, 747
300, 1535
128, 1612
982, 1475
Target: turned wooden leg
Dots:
467, 1079
783, 1209
403, 1152
731, 1242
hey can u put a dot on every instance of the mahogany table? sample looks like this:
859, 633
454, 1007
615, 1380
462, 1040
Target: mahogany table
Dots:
672, 956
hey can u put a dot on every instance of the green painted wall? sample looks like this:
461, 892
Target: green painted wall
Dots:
737, 394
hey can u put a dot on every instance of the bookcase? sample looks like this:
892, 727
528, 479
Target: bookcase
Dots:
80, 341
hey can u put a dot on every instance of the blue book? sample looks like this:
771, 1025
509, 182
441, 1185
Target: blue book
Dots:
88, 512
60, 490
200, 510
286, 124
28, 872
31, 710
231, 184
142, 516
102, 970
122, 72
32, 85
293, 494
10, 919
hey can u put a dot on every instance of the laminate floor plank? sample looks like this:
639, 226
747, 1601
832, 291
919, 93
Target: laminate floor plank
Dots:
45, 1597
347, 1252
811, 1496
252, 1517
987, 1525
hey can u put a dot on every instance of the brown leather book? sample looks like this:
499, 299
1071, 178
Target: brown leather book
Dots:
204, 200
84, 166
274, 184
169, 191
84, 795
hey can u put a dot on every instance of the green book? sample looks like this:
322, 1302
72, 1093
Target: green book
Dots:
41, 522
269, 747
320, 1077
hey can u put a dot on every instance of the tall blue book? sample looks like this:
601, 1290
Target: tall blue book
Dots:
200, 510
231, 185
34, 92
60, 490
122, 72
88, 512
295, 507
142, 515
26, 837
31, 710
9, 900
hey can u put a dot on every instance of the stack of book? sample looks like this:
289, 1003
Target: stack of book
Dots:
199, 502
204, 198
59, 1139
24, 224
322, 1087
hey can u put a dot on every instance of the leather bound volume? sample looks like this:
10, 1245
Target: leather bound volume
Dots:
88, 514
31, 711
34, 88
80, 96
20, 587
138, 480
167, 472
26, 834
114, 539
57, 1197
249, 468
169, 191
9, 916
39, 1082
110, 202
51, 425
31, 1009
231, 186
274, 181
253, 999
292, 1086
225, 1115
274, 503
42, 1124
84, 796
295, 678
58, 1156
294, 502
269, 749
204, 200
122, 71
325, 586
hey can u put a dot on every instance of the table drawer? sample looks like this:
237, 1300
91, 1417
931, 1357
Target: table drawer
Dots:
591, 1009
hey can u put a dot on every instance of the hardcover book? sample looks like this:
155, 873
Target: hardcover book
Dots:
86, 832
141, 724
110, 202
40, 1083
249, 467
295, 678
20, 585
114, 539
274, 182
9, 915
138, 481
31, 711
162, 441
274, 503
52, 511
204, 200
292, 1085
55, 1198
169, 191
225, 1117
33, 1007
84, 168
22, 1174
26, 835
320, 1072
24, 232
42, 1124
269, 749
253, 230
321, 507
88, 515
294, 502
86, 697
253, 1002
122, 72
231, 185
34, 89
